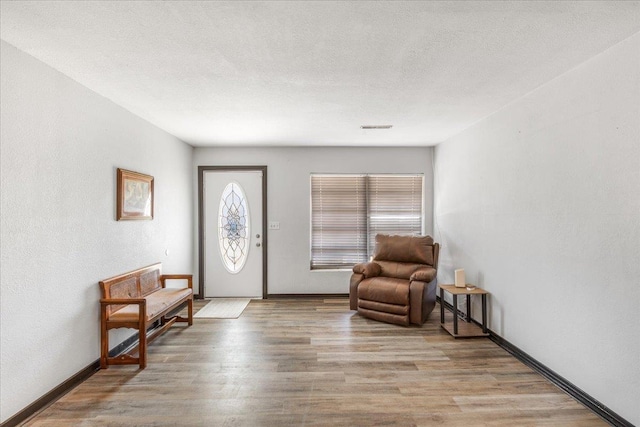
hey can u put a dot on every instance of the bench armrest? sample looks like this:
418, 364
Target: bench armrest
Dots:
187, 277
106, 302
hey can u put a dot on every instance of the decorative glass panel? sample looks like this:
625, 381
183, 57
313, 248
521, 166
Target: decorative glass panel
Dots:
233, 227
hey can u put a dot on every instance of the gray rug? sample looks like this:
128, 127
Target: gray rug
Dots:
223, 308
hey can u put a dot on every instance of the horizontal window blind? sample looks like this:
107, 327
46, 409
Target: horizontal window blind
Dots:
347, 211
395, 206
338, 220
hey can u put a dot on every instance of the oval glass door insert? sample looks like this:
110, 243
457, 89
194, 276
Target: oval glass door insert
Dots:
233, 228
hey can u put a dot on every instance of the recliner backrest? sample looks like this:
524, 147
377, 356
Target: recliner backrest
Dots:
406, 249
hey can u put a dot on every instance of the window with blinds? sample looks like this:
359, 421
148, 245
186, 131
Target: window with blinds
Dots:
347, 211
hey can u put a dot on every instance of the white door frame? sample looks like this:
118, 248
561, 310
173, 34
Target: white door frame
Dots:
201, 171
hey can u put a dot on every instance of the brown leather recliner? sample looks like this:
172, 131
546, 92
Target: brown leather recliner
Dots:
399, 285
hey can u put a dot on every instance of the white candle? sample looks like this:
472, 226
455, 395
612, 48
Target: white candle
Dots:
460, 280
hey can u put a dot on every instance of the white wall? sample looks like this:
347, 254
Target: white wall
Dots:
540, 203
61, 145
288, 171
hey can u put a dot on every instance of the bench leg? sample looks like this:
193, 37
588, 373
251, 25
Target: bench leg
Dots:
190, 311
104, 340
142, 333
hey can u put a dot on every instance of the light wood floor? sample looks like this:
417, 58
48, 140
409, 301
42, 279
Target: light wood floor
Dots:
312, 362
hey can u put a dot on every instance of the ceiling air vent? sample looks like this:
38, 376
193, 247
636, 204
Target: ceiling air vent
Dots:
376, 126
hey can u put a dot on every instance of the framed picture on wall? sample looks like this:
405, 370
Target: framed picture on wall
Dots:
134, 195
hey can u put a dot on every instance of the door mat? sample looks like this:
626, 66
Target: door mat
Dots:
223, 308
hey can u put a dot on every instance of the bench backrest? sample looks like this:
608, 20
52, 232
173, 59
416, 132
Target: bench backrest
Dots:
134, 284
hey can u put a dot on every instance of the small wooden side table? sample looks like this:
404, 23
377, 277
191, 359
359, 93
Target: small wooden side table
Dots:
466, 329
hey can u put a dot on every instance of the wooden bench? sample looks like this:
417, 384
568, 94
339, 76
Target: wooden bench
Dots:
138, 300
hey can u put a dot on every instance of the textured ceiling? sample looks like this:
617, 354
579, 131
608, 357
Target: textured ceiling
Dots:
310, 73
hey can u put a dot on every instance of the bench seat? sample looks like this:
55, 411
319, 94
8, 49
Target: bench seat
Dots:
157, 304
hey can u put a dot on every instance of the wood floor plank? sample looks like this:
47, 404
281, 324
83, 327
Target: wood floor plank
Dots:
313, 362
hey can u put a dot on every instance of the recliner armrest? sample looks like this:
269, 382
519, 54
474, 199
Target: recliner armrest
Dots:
368, 269
426, 274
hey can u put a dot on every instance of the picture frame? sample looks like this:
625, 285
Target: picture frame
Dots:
134, 198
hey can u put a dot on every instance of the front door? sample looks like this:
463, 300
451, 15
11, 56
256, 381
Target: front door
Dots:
232, 233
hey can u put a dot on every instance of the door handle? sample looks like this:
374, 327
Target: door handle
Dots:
258, 245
